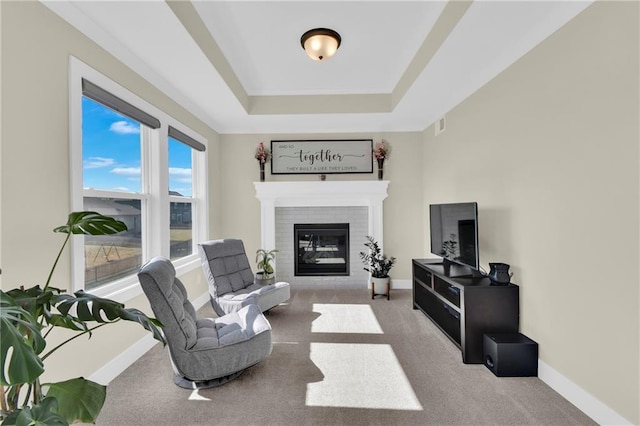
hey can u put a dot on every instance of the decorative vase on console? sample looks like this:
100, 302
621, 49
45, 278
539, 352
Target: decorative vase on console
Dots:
499, 273
262, 155
381, 152
380, 170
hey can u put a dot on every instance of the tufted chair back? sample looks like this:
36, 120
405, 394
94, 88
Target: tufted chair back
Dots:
170, 304
226, 266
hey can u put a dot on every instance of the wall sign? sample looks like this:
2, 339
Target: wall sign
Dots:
321, 156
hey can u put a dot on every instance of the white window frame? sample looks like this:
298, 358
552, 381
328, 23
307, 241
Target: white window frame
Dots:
155, 184
198, 199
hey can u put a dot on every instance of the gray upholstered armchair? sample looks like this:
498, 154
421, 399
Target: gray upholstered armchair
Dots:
204, 352
231, 282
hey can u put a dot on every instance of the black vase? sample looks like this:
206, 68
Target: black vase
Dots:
499, 273
380, 168
261, 171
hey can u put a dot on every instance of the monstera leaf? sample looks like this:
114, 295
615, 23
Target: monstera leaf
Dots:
85, 223
91, 223
42, 414
38, 303
92, 308
78, 399
20, 333
35, 300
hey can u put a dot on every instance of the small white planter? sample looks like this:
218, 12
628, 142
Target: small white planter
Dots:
380, 286
380, 283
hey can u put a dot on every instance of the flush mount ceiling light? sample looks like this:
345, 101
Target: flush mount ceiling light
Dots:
320, 43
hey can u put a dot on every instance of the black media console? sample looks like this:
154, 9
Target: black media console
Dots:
464, 306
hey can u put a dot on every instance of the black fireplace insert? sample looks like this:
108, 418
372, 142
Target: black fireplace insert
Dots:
322, 249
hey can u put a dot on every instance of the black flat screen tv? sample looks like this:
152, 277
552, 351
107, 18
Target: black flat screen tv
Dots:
454, 232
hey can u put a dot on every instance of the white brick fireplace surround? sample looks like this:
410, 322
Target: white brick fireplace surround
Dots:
356, 202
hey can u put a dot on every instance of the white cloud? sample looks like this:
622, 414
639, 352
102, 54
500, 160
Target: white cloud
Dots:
97, 162
179, 171
179, 174
124, 128
121, 188
126, 171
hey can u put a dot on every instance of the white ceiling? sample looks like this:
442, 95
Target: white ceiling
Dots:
239, 66
379, 41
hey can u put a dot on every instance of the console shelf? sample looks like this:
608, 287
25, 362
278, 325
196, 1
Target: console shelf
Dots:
463, 306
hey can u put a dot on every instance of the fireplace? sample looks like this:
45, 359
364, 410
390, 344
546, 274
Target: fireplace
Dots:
322, 249
283, 204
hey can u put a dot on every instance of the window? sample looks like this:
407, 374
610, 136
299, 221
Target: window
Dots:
180, 190
130, 161
111, 158
182, 149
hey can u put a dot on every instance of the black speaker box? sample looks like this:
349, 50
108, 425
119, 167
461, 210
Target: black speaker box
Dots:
510, 355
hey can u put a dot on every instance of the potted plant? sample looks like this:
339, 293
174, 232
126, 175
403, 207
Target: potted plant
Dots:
265, 268
377, 263
29, 316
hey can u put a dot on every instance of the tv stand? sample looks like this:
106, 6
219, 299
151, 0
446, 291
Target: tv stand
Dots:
464, 305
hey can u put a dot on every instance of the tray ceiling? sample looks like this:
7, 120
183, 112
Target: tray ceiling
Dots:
240, 68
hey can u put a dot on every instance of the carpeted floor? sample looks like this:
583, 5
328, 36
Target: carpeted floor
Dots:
340, 358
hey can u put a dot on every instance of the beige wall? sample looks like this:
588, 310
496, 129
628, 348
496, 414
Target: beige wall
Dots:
403, 215
35, 192
549, 150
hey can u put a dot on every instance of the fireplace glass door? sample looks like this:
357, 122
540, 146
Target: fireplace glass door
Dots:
322, 249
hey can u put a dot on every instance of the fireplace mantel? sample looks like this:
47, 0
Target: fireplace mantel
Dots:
368, 193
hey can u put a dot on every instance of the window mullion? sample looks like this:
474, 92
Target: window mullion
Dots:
75, 153
90, 192
178, 199
157, 211
200, 190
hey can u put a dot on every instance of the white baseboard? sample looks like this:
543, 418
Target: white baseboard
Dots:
401, 284
117, 365
587, 403
200, 301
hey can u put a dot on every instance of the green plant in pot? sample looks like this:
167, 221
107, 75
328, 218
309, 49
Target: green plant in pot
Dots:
29, 316
264, 259
376, 262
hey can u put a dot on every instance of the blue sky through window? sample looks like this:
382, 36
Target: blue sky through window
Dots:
111, 153
110, 149
180, 175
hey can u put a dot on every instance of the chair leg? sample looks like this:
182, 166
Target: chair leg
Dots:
185, 383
